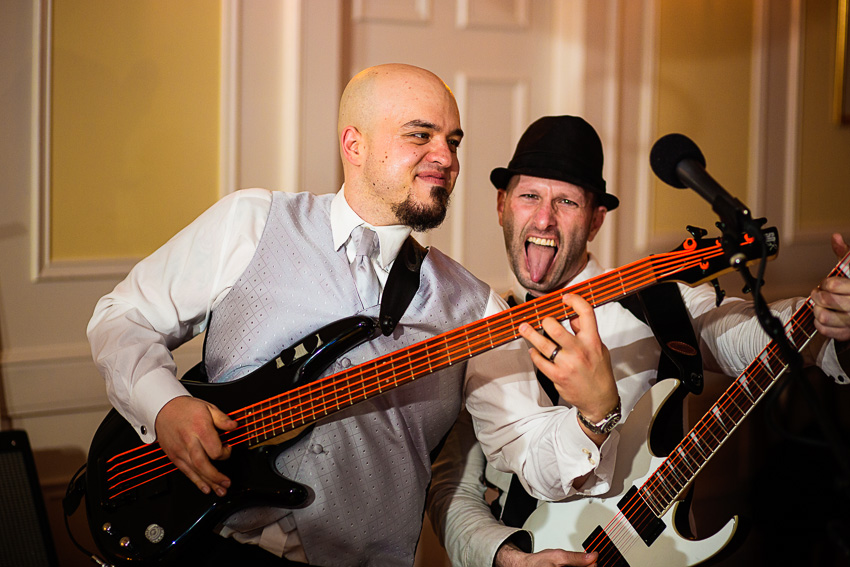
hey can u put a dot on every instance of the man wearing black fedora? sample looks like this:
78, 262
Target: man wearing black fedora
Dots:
552, 200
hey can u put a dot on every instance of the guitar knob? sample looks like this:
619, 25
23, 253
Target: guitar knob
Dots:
107, 528
125, 542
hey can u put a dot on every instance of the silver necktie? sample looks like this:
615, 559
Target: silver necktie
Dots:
365, 241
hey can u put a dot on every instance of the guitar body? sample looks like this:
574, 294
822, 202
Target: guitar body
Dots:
148, 523
568, 523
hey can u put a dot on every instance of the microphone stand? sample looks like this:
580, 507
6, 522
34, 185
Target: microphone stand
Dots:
735, 221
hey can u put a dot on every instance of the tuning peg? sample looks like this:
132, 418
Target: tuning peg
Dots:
696, 231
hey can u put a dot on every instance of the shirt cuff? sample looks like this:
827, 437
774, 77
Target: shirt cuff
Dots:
488, 540
150, 394
588, 458
828, 362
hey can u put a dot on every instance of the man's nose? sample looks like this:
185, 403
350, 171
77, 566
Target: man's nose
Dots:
544, 215
440, 152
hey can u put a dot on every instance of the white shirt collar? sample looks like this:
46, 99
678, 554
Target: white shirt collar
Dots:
344, 220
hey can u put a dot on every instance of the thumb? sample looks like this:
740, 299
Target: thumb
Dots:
221, 420
839, 246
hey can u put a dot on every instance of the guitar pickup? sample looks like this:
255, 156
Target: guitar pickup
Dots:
641, 517
609, 555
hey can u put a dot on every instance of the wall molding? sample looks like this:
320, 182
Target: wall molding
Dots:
60, 379
464, 84
793, 123
644, 238
42, 267
518, 18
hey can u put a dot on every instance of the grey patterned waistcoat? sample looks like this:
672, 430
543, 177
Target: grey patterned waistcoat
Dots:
369, 465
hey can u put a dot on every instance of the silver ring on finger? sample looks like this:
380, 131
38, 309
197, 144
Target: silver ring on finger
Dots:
554, 353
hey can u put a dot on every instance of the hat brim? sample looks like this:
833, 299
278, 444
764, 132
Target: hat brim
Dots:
501, 176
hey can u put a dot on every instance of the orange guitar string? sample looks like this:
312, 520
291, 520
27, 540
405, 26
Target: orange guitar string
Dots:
504, 331
801, 329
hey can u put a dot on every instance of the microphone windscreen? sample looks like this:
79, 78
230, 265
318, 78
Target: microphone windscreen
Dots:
668, 152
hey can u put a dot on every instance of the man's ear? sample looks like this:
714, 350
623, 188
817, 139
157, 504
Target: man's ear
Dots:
501, 195
596, 223
352, 145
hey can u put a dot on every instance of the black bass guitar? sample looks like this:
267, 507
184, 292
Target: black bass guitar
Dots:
141, 511
629, 525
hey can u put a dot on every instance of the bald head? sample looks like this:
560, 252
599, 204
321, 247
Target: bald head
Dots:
374, 87
399, 130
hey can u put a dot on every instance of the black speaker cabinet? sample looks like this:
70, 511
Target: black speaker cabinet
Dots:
25, 539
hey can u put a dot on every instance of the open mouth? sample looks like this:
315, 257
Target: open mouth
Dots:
539, 253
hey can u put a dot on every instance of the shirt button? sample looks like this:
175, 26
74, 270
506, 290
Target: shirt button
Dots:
317, 449
589, 456
144, 430
344, 362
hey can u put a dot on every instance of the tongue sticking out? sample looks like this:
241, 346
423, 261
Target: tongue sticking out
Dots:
539, 259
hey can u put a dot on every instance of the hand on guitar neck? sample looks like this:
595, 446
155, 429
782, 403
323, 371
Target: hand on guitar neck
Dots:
187, 430
581, 368
832, 303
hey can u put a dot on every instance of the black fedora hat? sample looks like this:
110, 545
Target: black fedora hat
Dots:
564, 148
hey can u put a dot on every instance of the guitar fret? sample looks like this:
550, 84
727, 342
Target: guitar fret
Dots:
287, 417
664, 487
795, 339
728, 410
764, 360
745, 389
708, 433
348, 390
698, 445
652, 501
264, 421
675, 480
684, 460
719, 419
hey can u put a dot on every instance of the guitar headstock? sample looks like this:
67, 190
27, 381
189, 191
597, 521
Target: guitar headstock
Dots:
699, 259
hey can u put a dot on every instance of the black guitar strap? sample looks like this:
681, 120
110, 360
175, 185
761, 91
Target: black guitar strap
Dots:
402, 284
662, 308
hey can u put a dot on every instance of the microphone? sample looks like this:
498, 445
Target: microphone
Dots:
677, 161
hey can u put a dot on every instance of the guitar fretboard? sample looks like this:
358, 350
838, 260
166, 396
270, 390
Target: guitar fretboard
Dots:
302, 406
670, 479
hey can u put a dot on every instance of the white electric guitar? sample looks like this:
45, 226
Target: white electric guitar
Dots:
632, 525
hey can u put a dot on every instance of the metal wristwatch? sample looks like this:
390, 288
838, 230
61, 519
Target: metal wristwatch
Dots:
604, 425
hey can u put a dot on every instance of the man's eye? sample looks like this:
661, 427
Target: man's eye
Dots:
568, 203
528, 196
421, 135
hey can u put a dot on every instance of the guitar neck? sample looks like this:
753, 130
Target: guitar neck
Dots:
297, 408
671, 478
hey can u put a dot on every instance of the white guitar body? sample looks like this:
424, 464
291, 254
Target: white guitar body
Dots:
568, 523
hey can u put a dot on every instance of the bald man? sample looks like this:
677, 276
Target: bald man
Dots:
260, 270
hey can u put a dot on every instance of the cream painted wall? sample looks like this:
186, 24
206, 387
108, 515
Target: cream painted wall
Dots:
704, 67
133, 129
824, 201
